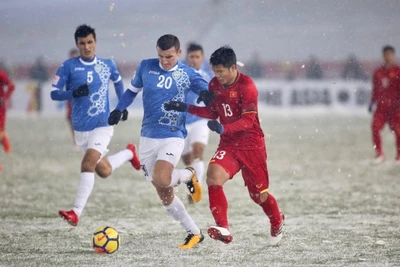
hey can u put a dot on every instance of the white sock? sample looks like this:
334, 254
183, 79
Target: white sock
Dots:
120, 158
84, 189
179, 213
198, 166
180, 176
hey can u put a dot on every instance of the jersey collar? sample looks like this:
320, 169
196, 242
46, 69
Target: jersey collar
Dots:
172, 69
88, 62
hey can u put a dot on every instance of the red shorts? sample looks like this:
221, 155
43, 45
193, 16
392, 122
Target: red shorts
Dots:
253, 164
391, 116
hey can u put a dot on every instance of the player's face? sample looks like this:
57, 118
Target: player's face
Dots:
195, 59
389, 57
226, 76
86, 46
168, 58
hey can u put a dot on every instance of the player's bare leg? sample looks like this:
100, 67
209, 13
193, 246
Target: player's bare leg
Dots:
108, 165
216, 178
162, 182
5, 142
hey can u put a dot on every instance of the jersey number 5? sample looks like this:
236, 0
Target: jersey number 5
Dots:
89, 76
164, 82
227, 110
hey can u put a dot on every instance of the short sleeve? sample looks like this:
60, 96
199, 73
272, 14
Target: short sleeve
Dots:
115, 76
249, 97
137, 80
198, 83
61, 77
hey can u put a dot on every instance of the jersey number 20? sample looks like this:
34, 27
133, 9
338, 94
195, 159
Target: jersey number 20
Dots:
164, 82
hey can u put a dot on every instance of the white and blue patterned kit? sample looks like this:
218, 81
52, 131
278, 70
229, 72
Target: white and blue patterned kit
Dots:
160, 86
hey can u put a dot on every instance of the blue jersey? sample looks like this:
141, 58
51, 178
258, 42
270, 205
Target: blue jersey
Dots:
160, 86
192, 98
92, 111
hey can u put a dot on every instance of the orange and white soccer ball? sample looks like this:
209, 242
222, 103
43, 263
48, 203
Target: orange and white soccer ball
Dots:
106, 240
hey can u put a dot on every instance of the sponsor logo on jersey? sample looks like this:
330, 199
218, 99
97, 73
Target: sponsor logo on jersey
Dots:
56, 78
154, 72
98, 68
79, 68
176, 75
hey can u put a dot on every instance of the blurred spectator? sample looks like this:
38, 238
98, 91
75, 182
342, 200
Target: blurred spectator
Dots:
38, 75
352, 69
314, 70
255, 67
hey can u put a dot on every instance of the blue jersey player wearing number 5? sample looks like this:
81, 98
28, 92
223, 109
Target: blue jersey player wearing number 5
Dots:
161, 80
86, 81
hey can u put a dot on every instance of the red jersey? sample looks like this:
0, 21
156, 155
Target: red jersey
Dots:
5, 81
236, 107
386, 87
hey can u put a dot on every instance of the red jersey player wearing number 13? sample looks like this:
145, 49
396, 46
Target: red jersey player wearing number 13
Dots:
232, 98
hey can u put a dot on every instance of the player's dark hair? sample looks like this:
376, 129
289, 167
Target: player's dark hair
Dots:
194, 47
224, 56
388, 48
168, 41
83, 31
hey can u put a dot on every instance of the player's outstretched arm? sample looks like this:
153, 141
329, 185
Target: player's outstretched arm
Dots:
61, 95
120, 112
203, 112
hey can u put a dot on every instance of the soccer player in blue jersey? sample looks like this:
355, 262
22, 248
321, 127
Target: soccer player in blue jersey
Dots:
165, 79
86, 79
198, 132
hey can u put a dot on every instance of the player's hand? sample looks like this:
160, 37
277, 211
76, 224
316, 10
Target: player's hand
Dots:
124, 115
114, 117
206, 97
216, 126
82, 90
176, 105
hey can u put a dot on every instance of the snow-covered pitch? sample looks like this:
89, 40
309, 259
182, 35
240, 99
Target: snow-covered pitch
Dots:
340, 210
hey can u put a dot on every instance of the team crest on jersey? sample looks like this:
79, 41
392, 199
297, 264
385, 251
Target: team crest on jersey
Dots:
176, 75
98, 68
233, 94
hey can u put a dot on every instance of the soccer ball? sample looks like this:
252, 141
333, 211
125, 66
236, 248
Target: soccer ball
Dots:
105, 240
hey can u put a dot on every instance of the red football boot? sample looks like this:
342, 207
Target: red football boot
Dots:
220, 233
70, 216
135, 161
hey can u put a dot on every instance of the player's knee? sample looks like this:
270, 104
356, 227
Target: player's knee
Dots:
161, 180
198, 150
87, 166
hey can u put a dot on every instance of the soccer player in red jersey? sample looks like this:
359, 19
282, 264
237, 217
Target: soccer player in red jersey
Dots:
232, 98
386, 98
4, 97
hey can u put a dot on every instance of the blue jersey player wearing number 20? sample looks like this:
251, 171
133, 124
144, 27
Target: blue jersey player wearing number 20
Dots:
86, 79
161, 80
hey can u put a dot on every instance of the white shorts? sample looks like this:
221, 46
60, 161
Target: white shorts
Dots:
198, 132
97, 139
153, 149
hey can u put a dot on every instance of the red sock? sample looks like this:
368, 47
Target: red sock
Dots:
271, 209
218, 205
376, 138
